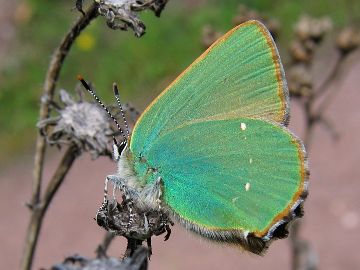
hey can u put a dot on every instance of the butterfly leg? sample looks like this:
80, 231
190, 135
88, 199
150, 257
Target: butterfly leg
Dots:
106, 191
104, 12
168, 232
130, 194
150, 196
114, 192
104, 205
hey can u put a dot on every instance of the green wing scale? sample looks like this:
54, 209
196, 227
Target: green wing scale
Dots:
216, 136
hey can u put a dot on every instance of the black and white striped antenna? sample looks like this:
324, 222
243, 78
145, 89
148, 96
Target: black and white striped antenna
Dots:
117, 96
88, 88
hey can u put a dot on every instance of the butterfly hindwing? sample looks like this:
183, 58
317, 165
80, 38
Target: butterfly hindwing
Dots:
223, 175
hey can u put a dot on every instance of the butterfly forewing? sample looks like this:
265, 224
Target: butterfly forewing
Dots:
240, 75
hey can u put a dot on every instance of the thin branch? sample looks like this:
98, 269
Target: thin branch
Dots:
301, 249
294, 240
38, 212
331, 77
59, 175
310, 120
103, 247
48, 94
39, 207
326, 102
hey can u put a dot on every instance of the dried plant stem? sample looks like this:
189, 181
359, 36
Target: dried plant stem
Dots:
103, 247
37, 205
331, 77
299, 252
302, 257
39, 210
295, 245
310, 121
48, 94
313, 115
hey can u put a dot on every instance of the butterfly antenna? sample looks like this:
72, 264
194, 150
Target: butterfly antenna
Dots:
117, 96
88, 88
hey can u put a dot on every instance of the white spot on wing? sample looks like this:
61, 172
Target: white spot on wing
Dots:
243, 126
247, 186
250, 160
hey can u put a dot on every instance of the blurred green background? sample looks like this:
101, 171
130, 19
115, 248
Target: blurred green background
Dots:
142, 67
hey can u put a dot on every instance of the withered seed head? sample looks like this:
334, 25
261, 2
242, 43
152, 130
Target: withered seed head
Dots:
83, 123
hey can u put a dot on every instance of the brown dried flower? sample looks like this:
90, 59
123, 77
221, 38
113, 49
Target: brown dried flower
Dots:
300, 52
209, 36
114, 217
348, 40
122, 14
245, 14
312, 28
138, 261
299, 80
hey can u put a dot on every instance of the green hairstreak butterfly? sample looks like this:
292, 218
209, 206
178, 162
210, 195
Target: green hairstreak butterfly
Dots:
213, 149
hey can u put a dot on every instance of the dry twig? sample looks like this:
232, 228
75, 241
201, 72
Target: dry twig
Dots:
39, 210
37, 205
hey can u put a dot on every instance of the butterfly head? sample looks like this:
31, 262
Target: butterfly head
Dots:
118, 148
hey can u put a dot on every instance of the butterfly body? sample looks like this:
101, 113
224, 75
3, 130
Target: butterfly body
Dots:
213, 150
